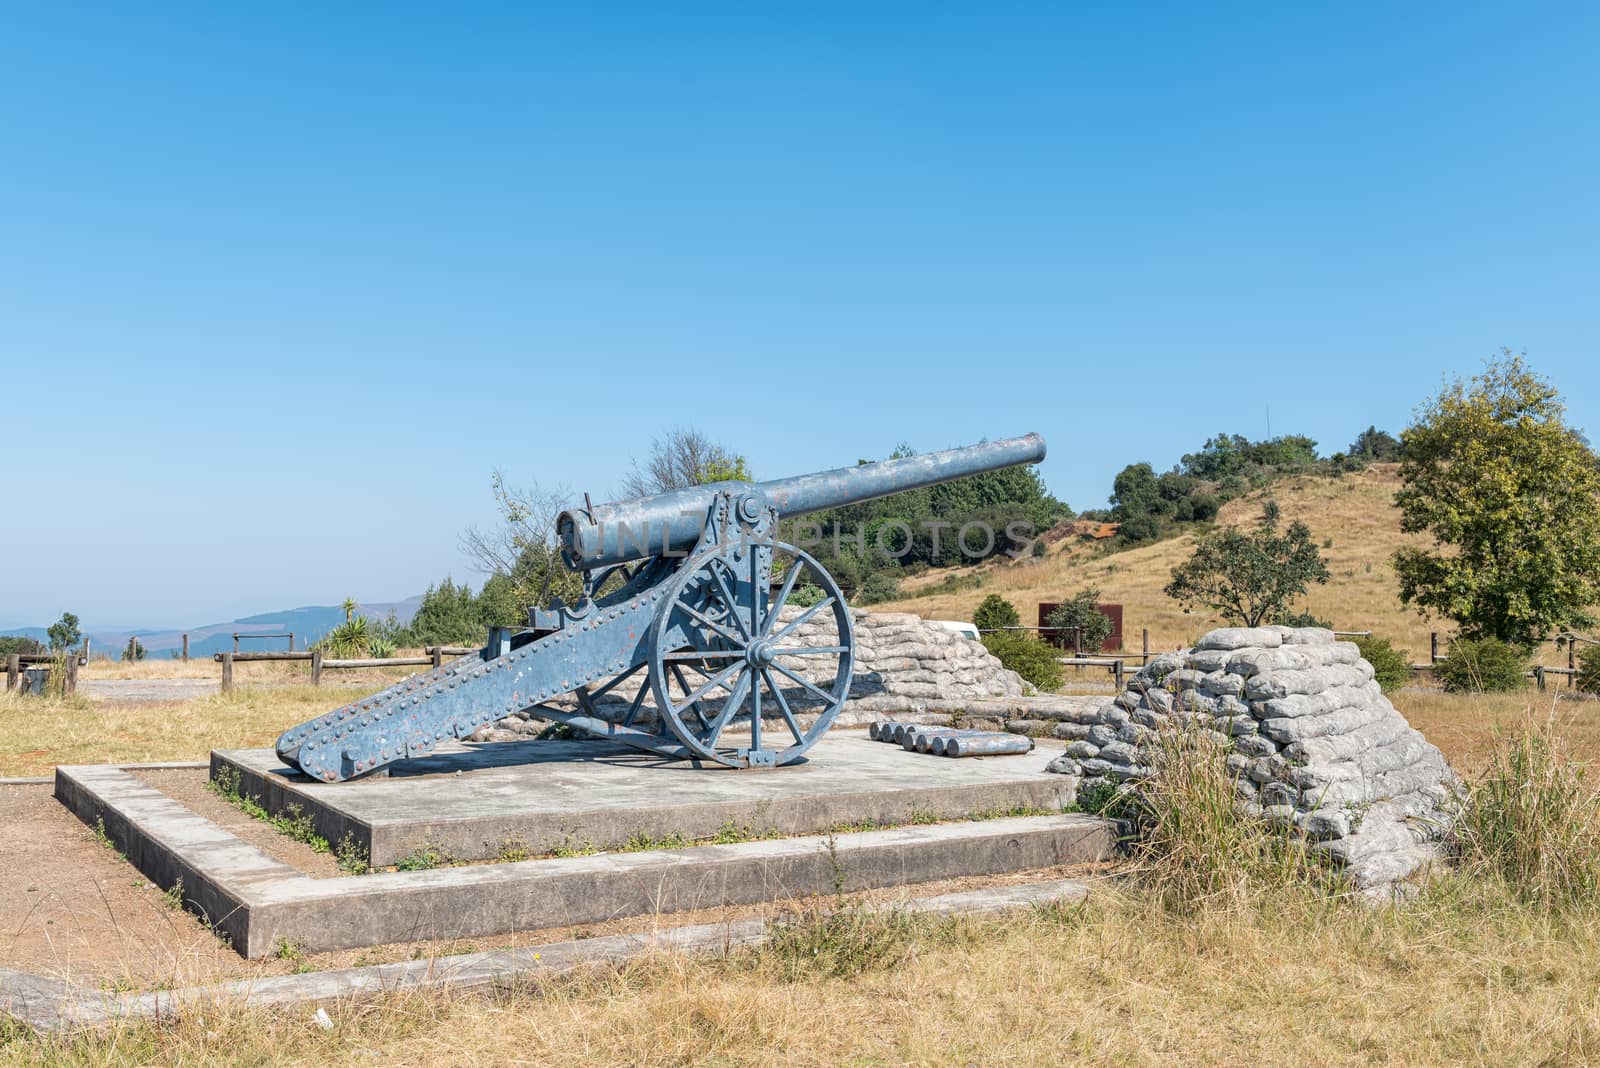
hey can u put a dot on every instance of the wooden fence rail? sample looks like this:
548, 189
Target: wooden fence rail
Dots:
435, 658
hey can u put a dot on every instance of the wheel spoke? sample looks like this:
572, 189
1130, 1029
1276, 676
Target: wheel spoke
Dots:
807, 614
783, 705
732, 705
782, 599
716, 680
755, 596
703, 654
828, 697
693, 706
713, 624
733, 605
755, 711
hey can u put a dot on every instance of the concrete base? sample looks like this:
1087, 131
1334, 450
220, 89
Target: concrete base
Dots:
475, 803
259, 902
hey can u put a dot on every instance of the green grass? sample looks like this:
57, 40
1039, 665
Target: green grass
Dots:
292, 823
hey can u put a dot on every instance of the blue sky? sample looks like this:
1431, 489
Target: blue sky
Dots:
291, 282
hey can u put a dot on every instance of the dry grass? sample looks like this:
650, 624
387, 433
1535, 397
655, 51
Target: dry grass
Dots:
1451, 979
1356, 511
1465, 727
38, 733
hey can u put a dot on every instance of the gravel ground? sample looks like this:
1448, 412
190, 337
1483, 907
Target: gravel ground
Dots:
143, 691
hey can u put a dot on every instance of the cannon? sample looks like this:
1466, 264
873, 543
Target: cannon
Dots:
690, 597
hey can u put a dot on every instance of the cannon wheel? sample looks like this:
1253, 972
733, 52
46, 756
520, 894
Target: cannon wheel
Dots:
739, 658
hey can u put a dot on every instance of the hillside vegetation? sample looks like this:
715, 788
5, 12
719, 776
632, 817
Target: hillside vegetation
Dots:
1355, 510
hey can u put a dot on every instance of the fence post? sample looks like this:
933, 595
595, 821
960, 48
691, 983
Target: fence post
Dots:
1538, 677
1145, 658
291, 641
1433, 647
1572, 678
13, 669
316, 667
72, 676
1117, 671
185, 648
438, 655
236, 643
227, 672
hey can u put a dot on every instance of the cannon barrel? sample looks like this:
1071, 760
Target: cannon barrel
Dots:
623, 531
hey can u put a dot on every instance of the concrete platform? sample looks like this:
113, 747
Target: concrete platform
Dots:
474, 802
259, 902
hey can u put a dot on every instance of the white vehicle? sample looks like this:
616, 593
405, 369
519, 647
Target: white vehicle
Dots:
966, 630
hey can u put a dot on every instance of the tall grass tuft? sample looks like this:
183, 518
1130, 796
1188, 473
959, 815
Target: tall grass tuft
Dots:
1196, 846
1532, 820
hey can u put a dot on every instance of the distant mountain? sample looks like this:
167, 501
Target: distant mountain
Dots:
308, 624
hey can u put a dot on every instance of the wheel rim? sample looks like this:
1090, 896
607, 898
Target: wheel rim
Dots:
721, 656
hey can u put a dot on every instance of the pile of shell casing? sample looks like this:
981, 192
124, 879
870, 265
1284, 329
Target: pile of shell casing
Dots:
948, 741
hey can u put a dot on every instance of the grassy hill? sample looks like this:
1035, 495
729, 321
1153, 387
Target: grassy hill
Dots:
1353, 519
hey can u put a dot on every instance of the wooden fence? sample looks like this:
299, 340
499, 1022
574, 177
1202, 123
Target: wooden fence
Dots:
435, 657
15, 662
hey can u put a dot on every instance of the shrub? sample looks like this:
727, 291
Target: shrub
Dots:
1483, 665
994, 613
1533, 821
877, 588
1389, 665
1588, 679
1305, 619
1080, 622
804, 595
15, 644
1032, 659
350, 639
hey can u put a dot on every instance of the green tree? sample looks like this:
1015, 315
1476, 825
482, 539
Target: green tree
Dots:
995, 613
1375, 446
499, 605
134, 650
64, 633
16, 644
1137, 492
1511, 496
1082, 624
1250, 578
448, 615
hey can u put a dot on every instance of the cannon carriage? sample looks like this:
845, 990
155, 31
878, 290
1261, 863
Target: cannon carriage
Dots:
687, 601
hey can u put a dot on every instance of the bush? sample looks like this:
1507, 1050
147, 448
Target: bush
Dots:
1389, 665
877, 588
1483, 665
1588, 679
24, 646
804, 595
995, 613
1305, 619
1080, 622
1032, 659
